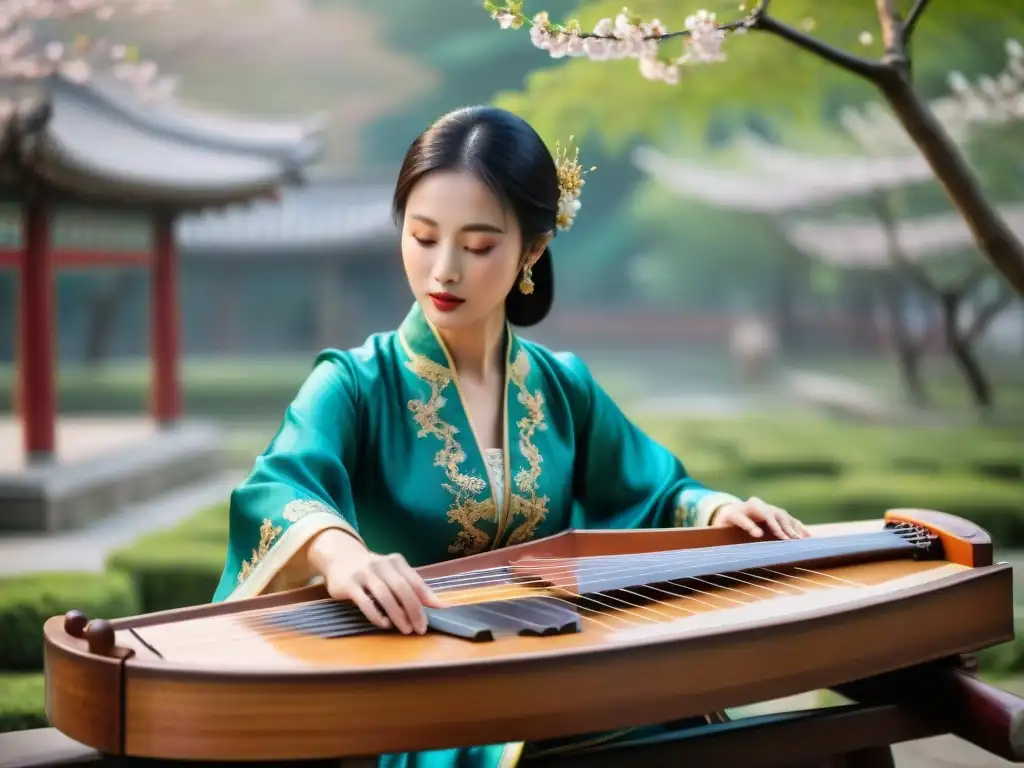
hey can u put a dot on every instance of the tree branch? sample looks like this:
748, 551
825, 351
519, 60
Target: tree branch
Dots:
866, 68
916, 12
879, 202
991, 233
892, 30
917, 273
988, 313
973, 279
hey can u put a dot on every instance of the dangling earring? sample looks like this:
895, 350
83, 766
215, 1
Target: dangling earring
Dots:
526, 284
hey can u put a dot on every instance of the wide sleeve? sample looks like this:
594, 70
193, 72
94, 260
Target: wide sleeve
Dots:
301, 485
622, 477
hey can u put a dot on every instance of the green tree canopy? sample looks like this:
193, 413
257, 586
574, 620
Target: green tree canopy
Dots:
763, 73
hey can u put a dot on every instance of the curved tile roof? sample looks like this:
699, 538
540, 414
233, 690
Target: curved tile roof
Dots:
299, 140
96, 146
324, 218
322, 215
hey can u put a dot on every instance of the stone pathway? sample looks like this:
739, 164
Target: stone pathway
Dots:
86, 549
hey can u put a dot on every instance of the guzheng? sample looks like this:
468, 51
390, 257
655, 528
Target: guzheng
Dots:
577, 633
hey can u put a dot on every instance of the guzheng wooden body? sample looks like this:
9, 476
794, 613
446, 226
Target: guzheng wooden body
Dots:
581, 632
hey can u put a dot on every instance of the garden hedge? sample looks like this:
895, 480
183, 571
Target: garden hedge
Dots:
995, 505
26, 602
22, 701
209, 388
169, 571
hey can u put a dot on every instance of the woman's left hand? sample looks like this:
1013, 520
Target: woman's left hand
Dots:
753, 515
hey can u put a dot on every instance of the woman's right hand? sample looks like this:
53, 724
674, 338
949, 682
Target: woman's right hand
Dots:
374, 582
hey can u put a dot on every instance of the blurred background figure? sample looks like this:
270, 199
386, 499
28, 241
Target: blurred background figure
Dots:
754, 347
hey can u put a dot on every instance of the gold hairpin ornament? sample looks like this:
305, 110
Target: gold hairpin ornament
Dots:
570, 182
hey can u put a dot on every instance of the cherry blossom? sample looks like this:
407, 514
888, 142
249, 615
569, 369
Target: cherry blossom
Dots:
28, 57
625, 37
628, 36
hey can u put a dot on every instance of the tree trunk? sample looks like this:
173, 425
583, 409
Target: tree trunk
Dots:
960, 349
908, 351
995, 239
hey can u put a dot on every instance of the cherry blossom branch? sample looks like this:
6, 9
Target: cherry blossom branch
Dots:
628, 36
892, 32
858, 65
990, 100
27, 60
913, 17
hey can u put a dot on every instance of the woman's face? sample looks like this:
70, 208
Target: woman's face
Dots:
462, 251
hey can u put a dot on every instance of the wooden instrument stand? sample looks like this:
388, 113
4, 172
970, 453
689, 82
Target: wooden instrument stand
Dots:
890, 709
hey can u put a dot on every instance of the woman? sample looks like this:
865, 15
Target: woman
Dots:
452, 435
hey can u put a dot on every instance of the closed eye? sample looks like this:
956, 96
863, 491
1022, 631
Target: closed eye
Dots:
425, 243
481, 251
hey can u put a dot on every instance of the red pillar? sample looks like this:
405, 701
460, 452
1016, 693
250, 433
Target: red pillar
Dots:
37, 336
164, 323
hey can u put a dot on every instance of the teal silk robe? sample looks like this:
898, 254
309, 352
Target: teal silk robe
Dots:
377, 442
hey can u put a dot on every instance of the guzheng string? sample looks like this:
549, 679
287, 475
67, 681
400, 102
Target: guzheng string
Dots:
576, 569
609, 607
510, 585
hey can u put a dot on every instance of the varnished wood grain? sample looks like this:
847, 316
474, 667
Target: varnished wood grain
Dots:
963, 541
83, 692
433, 706
971, 709
229, 643
219, 686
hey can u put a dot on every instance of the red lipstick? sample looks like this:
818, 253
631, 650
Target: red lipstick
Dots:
446, 302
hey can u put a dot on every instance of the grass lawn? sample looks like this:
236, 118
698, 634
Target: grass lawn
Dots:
943, 381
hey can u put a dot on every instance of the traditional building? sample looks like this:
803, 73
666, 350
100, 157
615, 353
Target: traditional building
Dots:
326, 255
93, 153
91, 150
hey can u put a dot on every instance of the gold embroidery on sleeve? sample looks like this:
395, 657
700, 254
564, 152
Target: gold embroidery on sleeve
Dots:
268, 532
527, 503
298, 509
465, 510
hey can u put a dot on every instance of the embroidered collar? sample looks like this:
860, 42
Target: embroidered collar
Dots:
421, 337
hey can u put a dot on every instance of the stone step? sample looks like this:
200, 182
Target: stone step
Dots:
87, 548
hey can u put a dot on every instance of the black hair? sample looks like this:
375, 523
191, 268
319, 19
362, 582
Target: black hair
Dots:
504, 152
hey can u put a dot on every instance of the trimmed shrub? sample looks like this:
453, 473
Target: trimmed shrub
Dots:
170, 571
714, 472
766, 461
208, 526
22, 701
26, 602
765, 446
995, 505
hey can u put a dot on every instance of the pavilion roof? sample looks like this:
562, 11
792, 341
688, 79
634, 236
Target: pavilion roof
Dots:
324, 217
327, 213
861, 242
782, 182
298, 140
101, 145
